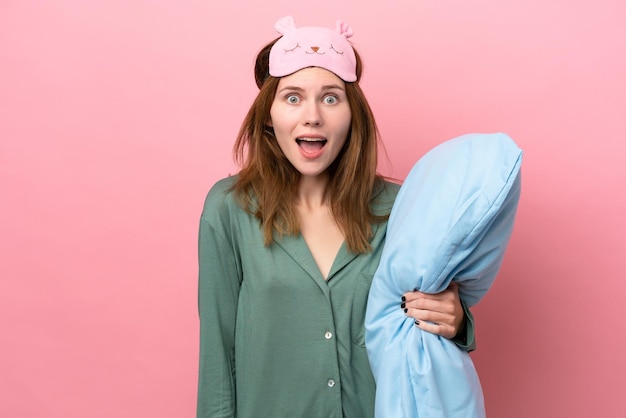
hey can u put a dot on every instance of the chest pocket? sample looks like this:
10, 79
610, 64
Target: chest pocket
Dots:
359, 305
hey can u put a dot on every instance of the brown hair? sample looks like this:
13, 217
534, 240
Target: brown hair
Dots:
268, 184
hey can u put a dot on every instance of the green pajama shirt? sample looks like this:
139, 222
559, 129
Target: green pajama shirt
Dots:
276, 339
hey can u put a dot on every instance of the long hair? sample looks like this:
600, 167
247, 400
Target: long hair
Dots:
267, 185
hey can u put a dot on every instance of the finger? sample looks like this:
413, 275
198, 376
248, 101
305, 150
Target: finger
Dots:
447, 294
444, 306
430, 316
420, 295
437, 323
413, 296
437, 329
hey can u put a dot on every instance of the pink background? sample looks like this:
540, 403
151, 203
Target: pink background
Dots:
117, 116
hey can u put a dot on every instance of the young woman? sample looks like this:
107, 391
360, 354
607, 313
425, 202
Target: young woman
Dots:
288, 247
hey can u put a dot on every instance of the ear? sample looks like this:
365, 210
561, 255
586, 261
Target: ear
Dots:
269, 130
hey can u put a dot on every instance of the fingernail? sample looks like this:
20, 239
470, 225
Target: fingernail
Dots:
417, 322
416, 289
403, 299
406, 310
402, 305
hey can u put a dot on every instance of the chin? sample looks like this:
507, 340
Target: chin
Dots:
313, 173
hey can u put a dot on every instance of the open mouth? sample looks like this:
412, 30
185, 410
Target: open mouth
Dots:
311, 144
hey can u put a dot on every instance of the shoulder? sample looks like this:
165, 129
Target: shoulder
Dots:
384, 196
389, 189
220, 202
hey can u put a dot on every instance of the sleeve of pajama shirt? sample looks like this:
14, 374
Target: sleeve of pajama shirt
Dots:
218, 291
466, 339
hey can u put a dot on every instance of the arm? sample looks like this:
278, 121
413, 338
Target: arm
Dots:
218, 293
442, 314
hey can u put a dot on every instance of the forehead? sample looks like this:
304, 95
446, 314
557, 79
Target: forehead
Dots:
311, 78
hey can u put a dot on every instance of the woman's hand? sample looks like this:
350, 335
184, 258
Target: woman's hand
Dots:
440, 314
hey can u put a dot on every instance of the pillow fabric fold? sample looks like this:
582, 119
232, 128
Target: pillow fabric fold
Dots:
451, 221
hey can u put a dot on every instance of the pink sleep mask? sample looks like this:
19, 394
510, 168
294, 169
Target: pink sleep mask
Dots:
304, 47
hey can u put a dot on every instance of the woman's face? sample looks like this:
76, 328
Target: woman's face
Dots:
311, 119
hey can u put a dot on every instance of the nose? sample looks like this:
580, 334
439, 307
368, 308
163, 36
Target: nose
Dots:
315, 48
312, 115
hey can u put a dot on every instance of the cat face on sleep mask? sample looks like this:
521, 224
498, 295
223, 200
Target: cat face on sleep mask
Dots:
304, 47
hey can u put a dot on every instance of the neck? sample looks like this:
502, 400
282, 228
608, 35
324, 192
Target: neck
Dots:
312, 191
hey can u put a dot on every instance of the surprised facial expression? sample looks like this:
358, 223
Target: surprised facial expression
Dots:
311, 119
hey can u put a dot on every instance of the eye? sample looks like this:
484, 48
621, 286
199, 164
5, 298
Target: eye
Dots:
293, 99
330, 100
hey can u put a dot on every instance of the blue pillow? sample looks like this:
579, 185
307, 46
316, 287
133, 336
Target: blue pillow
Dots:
452, 220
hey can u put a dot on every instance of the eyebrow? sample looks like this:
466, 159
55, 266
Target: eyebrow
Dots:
300, 89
